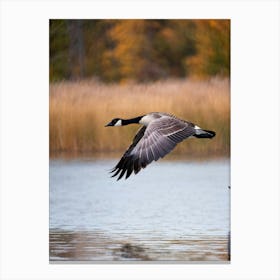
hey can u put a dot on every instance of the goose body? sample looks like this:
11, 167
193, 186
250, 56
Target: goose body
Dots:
159, 134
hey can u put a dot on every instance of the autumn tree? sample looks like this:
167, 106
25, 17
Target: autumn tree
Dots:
138, 50
133, 56
212, 45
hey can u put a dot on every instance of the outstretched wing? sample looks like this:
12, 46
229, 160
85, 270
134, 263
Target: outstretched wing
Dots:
152, 143
126, 163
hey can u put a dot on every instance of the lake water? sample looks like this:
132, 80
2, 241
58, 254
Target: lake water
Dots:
170, 211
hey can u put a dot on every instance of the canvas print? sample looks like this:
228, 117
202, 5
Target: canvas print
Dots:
139, 140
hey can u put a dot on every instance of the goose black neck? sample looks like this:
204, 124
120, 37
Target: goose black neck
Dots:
129, 121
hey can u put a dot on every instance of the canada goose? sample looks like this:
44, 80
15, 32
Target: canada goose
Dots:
158, 136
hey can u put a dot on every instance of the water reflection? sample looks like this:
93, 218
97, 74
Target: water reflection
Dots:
93, 246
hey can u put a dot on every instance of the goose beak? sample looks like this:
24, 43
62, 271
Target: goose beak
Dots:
109, 124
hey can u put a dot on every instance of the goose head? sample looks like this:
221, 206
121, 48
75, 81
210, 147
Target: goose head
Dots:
115, 122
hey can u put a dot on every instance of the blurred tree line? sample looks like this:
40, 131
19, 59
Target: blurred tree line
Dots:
138, 50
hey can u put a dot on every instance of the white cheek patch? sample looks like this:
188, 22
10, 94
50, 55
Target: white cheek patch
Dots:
118, 123
196, 127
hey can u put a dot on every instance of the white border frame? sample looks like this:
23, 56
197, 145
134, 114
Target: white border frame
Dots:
255, 138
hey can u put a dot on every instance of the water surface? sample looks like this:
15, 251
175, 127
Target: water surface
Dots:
172, 210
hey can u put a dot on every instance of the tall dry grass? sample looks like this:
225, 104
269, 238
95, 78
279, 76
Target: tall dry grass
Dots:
79, 111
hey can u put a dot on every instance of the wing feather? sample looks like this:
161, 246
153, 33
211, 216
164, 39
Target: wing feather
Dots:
151, 143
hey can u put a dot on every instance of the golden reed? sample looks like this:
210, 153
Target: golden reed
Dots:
79, 111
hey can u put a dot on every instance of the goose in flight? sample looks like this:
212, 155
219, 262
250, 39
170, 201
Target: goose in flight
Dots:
157, 137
